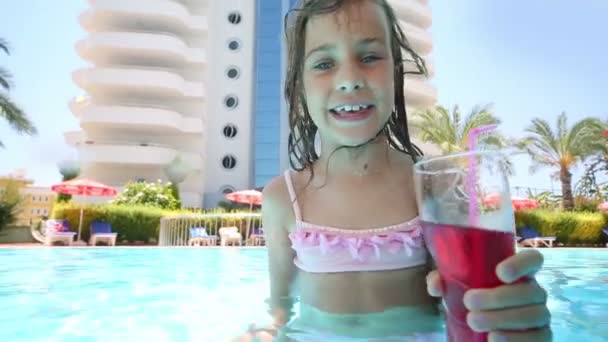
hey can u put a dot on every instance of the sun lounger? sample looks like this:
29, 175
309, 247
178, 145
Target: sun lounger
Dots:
58, 231
256, 238
102, 231
230, 235
531, 238
200, 237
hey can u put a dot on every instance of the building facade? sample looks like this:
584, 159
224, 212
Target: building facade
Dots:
198, 81
35, 203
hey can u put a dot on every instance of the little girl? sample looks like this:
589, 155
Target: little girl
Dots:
341, 230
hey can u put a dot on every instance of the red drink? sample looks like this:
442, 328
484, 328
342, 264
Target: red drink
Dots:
466, 258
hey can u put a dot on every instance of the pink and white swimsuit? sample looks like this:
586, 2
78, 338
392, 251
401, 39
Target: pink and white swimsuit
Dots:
321, 249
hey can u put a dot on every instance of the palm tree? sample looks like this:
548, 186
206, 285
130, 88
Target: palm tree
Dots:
563, 148
14, 115
450, 133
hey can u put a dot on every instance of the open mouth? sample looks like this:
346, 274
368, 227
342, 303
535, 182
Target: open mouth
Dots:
352, 112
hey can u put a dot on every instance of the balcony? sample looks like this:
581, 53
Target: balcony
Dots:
419, 93
421, 40
414, 12
165, 15
133, 117
144, 48
155, 82
128, 153
74, 138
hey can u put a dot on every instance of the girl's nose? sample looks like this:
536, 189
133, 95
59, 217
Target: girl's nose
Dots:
349, 79
350, 86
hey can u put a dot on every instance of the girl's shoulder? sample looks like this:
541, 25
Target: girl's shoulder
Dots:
402, 161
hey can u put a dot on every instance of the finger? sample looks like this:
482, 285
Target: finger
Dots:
506, 296
529, 317
433, 284
537, 335
523, 264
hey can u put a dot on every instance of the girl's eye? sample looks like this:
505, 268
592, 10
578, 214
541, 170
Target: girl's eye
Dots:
370, 59
323, 65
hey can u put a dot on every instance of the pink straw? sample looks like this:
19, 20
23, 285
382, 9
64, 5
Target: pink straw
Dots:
472, 174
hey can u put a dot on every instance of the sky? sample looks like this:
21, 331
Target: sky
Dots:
528, 58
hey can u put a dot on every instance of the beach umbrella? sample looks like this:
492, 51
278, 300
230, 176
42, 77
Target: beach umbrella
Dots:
83, 187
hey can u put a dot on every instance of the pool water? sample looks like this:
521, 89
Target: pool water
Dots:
162, 294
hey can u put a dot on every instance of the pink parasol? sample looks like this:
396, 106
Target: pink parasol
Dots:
83, 187
250, 197
518, 203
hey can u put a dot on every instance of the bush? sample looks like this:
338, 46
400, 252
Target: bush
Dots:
10, 204
582, 204
568, 227
131, 222
157, 195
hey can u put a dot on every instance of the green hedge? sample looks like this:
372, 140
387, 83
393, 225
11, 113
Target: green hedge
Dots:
136, 223
568, 227
132, 223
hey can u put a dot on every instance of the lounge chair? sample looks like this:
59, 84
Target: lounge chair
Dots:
200, 237
102, 231
531, 238
256, 238
58, 231
230, 235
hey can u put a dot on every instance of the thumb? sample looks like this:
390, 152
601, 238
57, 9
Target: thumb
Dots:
434, 285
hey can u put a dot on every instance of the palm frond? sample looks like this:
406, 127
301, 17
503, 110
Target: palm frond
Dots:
477, 117
456, 124
435, 127
5, 46
562, 133
15, 116
585, 138
5, 77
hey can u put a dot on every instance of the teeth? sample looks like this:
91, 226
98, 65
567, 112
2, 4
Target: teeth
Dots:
351, 108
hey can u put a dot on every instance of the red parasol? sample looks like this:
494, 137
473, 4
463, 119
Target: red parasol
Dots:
250, 197
518, 203
83, 187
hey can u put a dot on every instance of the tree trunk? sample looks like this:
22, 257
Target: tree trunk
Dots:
566, 178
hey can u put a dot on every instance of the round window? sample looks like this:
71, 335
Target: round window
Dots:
231, 101
234, 45
234, 18
229, 162
233, 72
227, 189
230, 131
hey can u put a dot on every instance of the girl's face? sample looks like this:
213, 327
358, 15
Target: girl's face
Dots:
348, 73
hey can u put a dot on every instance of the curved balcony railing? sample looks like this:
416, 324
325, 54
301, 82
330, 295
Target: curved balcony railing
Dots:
138, 116
108, 14
419, 93
413, 12
154, 81
112, 47
129, 153
421, 40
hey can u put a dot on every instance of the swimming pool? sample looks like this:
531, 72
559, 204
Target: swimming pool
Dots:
119, 294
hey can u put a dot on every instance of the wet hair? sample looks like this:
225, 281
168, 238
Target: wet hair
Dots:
301, 143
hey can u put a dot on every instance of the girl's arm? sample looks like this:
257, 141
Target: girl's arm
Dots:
276, 218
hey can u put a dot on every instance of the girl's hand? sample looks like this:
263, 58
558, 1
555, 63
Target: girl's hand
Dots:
511, 312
